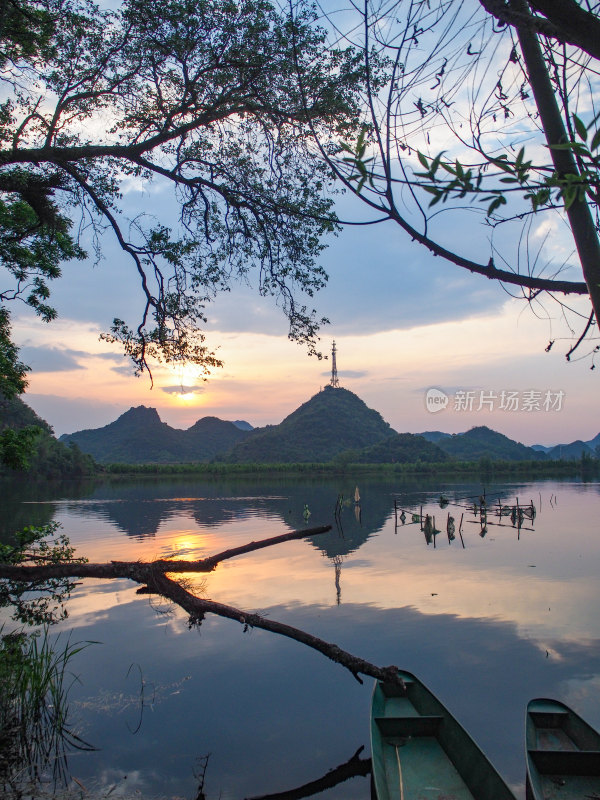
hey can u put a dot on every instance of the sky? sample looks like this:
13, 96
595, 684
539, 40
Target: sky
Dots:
404, 323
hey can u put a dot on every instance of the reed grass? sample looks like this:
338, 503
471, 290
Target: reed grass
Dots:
35, 735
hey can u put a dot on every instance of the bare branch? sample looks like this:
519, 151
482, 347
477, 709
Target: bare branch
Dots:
153, 580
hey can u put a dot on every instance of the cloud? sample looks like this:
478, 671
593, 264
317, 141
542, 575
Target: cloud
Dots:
180, 389
124, 369
51, 359
107, 356
347, 373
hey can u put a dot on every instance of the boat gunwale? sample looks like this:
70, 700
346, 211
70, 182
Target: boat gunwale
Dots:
561, 765
479, 775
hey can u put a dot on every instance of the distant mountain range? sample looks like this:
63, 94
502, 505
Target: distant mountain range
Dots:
335, 424
470, 445
573, 449
482, 442
139, 436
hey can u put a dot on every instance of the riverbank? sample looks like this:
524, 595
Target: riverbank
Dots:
484, 466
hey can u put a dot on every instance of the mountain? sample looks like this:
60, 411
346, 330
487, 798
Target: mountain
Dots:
434, 436
211, 436
330, 422
573, 450
139, 436
398, 448
594, 443
243, 425
483, 442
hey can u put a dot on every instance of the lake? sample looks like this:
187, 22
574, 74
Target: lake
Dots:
488, 621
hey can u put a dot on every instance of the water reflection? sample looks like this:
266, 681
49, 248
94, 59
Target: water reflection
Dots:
486, 626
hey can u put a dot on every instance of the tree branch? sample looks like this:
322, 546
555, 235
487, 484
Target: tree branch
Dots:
352, 768
140, 570
152, 577
563, 20
197, 608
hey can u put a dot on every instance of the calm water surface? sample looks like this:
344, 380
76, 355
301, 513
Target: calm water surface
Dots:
510, 616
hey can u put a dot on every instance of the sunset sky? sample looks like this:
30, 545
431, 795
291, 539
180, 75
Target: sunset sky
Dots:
403, 322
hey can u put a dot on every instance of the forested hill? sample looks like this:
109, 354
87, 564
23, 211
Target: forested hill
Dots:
49, 458
399, 448
138, 436
332, 421
483, 442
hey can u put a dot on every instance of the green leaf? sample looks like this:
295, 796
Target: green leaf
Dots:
595, 140
423, 160
449, 169
578, 147
436, 163
499, 201
501, 163
580, 128
569, 195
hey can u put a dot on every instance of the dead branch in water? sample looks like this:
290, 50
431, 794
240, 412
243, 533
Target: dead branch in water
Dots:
153, 579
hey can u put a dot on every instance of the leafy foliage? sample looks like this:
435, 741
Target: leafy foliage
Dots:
538, 184
203, 99
16, 447
12, 371
42, 602
27, 444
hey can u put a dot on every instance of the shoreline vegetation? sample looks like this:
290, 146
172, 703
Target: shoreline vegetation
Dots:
557, 468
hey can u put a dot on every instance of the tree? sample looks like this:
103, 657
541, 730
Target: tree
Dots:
201, 98
469, 111
12, 371
16, 446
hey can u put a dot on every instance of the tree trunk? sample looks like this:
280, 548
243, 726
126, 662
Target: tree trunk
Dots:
579, 215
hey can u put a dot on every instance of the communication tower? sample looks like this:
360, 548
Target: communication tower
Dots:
334, 376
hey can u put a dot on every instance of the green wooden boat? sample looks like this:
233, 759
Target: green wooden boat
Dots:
563, 753
420, 752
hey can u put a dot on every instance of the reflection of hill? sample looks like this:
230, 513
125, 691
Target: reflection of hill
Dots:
140, 506
30, 502
376, 507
